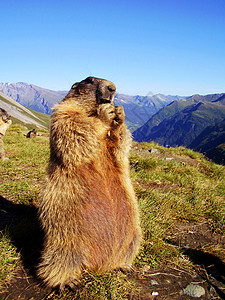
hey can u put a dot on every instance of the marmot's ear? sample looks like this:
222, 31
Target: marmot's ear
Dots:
75, 85
89, 79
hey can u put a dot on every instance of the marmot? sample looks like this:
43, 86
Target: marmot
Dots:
5, 122
88, 209
31, 134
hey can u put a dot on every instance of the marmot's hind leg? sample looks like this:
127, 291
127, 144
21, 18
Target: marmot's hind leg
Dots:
61, 270
131, 251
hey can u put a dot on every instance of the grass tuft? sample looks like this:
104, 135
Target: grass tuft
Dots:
9, 259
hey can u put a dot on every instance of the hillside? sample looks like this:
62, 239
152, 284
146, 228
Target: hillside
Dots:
181, 201
138, 109
210, 138
217, 154
212, 142
23, 115
143, 133
182, 121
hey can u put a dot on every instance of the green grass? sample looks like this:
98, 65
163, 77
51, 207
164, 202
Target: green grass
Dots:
9, 259
170, 192
23, 173
113, 285
187, 188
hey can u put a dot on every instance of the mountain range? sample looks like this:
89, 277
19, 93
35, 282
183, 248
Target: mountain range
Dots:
179, 123
32, 96
195, 122
138, 109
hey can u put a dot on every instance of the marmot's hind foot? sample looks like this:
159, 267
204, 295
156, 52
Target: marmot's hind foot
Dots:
72, 285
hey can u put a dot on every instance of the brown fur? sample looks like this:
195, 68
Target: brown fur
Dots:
5, 122
88, 210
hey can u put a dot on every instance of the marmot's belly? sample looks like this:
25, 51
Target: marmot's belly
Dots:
109, 225
107, 211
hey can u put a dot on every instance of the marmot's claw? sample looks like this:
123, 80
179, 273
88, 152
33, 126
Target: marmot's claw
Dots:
120, 115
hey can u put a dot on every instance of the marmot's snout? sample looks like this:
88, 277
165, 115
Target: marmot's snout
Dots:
106, 92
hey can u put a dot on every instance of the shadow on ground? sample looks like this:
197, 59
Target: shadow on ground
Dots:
192, 240
212, 269
22, 226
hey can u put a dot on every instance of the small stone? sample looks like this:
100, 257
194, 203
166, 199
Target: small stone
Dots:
155, 293
169, 158
154, 150
154, 282
146, 268
168, 281
194, 290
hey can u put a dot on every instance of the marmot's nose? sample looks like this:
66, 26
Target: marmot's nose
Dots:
111, 88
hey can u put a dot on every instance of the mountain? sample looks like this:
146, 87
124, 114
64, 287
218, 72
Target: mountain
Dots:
209, 98
179, 123
211, 142
143, 133
217, 154
32, 96
23, 115
138, 109
210, 138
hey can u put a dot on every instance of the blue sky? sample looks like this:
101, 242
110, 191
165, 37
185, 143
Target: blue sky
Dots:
172, 47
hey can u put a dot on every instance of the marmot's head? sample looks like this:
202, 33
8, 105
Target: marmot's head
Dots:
5, 121
92, 92
4, 115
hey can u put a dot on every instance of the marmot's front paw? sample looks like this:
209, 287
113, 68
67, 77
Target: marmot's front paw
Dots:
120, 115
106, 112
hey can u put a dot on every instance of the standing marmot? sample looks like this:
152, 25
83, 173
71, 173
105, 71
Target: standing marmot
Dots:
88, 210
5, 122
32, 134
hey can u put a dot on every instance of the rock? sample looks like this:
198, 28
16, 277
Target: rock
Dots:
146, 268
154, 282
194, 290
169, 158
154, 150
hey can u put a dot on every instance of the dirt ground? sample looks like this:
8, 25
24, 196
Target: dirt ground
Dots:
208, 270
